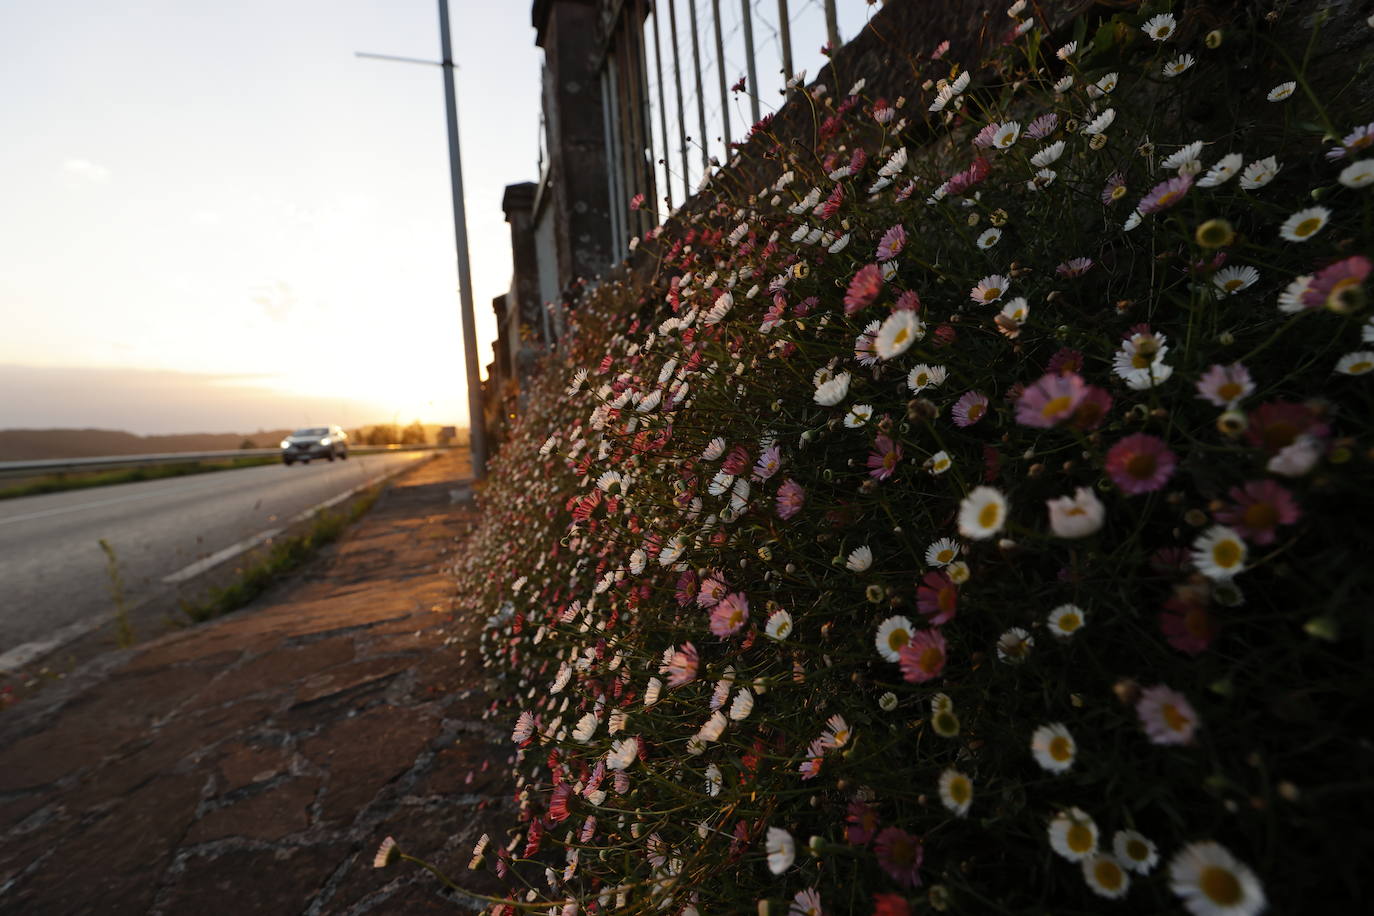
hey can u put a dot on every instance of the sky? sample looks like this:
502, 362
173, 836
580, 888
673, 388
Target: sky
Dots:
214, 217
218, 204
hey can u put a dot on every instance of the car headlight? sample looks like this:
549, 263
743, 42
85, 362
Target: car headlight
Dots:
324, 441
286, 443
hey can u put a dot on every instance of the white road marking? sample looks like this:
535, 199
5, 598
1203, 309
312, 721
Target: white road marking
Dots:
220, 556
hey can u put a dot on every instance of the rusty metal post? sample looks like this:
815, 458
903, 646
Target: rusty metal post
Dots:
701, 93
785, 39
720, 74
751, 69
681, 110
662, 116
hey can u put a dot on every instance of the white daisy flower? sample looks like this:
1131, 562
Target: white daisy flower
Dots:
1067, 51
1132, 221
782, 850
779, 626
1281, 91
1304, 224
1185, 159
1135, 851
924, 376
1073, 834
586, 727
991, 237
1160, 27
1179, 65
1100, 123
899, 331
714, 449
1358, 363
833, 391
1066, 620
1014, 646
1358, 174
893, 634
1222, 172
858, 415
939, 462
982, 513
714, 780
860, 559
1259, 173
1105, 876
1064, 83
956, 791
1231, 280
622, 754
1212, 882
942, 552
1006, 135
1219, 553
742, 705
1290, 300
1054, 749
1045, 156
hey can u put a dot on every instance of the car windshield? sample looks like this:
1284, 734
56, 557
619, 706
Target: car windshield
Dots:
311, 432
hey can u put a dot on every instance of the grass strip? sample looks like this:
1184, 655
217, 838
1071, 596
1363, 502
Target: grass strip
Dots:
284, 555
79, 480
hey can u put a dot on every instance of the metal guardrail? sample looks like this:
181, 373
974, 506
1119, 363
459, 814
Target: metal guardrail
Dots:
110, 462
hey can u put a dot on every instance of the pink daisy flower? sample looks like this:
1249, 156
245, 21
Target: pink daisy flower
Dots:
1064, 361
1050, 401
970, 408
1093, 408
682, 667
908, 301
1074, 267
1042, 126
1187, 626
768, 463
1259, 507
884, 459
729, 615
1165, 194
900, 854
861, 822
686, 591
791, 496
711, 590
865, 287
937, 597
1166, 715
892, 243
1225, 385
1275, 425
923, 657
1337, 287
1140, 463
810, 767
1114, 190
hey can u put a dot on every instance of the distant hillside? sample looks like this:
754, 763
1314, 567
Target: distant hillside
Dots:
35, 444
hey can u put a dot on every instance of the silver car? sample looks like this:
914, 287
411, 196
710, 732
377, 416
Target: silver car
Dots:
316, 442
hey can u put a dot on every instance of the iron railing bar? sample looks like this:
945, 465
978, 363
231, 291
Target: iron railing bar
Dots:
662, 116
681, 110
701, 93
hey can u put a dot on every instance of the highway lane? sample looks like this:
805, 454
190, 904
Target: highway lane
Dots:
53, 573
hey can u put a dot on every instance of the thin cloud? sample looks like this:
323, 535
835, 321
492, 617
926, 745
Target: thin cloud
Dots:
86, 170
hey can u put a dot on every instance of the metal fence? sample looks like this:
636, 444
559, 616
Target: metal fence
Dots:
683, 79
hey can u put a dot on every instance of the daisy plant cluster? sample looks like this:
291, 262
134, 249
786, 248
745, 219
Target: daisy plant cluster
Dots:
966, 508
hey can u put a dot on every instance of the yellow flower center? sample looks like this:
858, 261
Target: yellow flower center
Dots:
1220, 886
1118, 192
900, 337
1359, 368
897, 639
1061, 749
1307, 227
1229, 391
1168, 197
944, 556
1056, 406
946, 724
989, 514
1174, 718
922, 380
1226, 553
1137, 851
1108, 874
1233, 284
1070, 622
1261, 515
932, 658
992, 293
960, 790
975, 412
1080, 838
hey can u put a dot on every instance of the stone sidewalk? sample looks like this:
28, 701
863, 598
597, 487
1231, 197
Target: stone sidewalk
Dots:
254, 764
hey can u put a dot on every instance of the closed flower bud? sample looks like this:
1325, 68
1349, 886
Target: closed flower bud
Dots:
1214, 39
1231, 423
1215, 233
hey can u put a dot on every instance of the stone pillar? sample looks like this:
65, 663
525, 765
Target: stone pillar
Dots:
566, 30
518, 204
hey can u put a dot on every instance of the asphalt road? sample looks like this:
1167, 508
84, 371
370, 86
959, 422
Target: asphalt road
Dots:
53, 573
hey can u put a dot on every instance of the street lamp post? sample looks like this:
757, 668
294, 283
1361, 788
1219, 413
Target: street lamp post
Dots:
476, 420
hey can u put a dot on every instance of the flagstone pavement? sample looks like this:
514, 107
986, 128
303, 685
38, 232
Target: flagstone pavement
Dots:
252, 765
